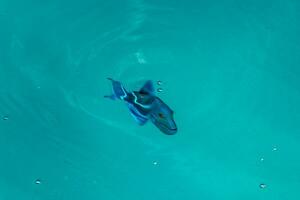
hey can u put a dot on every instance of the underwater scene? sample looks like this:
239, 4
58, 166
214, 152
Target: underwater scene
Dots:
150, 100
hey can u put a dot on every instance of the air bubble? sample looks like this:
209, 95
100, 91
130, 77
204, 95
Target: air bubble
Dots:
5, 118
159, 89
38, 181
275, 149
262, 186
159, 82
155, 163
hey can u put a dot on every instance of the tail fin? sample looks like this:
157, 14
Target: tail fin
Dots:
119, 91
112, 97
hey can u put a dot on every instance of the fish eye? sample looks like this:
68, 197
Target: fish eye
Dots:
161, 115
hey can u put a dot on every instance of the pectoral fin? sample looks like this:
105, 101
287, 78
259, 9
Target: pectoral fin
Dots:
139, 118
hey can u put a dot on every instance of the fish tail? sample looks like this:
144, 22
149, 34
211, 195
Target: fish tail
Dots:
118, 90
112, 97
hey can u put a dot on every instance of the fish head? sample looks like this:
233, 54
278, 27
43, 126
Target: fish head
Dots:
162, 117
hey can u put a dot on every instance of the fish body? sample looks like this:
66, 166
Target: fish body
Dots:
145, 106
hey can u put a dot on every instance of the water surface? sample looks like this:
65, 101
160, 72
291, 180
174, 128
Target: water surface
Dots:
229, 69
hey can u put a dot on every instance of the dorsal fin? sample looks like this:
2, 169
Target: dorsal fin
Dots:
147, 88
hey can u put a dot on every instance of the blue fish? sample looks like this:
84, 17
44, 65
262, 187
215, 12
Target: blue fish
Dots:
145, 106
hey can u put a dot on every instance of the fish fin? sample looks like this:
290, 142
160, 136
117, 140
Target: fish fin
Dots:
141, 120
112, 97
147, 88
118, 90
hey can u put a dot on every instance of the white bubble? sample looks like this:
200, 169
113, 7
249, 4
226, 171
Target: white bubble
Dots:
262, 159
5, 117
159, 89
275, 149
262, 186
155, 163
159, 82
38, 181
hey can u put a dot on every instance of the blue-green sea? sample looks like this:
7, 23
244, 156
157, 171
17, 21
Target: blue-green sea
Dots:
230, 70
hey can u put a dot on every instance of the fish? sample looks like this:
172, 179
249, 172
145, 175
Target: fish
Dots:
145, 106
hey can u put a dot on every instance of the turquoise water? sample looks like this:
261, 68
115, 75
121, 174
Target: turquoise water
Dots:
229, 69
